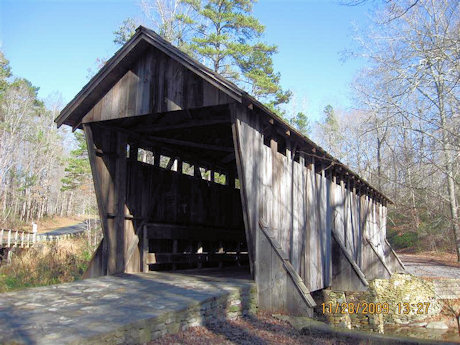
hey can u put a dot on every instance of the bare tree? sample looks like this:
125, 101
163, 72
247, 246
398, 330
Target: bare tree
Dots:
415, 73
169, 18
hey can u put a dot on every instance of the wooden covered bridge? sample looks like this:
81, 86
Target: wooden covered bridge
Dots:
192, 172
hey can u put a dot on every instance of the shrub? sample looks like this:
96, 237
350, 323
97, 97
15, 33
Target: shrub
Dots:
46, 264
405, 240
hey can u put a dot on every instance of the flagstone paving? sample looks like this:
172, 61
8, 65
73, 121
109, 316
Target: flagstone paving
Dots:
123, 309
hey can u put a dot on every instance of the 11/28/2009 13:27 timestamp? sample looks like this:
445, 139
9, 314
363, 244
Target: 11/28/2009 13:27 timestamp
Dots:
376, 308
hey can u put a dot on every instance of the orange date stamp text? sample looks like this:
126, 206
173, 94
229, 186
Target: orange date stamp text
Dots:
376, 308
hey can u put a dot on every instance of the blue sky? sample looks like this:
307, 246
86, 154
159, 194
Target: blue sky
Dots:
53, 43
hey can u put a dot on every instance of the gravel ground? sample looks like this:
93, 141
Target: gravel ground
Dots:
429, 266
263, 330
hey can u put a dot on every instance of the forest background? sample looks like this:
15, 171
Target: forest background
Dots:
401, 132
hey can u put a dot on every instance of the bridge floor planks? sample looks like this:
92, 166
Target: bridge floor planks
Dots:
123, 309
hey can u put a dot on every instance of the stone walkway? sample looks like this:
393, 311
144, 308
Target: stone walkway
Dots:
125, 309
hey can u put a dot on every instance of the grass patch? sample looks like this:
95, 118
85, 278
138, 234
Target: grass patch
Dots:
46, 264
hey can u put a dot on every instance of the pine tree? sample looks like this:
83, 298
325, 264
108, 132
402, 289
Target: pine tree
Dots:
225, 36
228, 40
126, 30
77, 174
331, 119
78, 170
5, 73
302, 123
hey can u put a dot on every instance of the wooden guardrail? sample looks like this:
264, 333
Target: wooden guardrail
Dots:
15, 238
23, 239
192, 245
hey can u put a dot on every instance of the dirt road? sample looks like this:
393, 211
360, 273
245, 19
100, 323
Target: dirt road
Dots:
426, 266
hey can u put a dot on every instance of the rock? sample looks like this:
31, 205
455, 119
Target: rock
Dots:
437, 325
344, 324
302, 323
418, 324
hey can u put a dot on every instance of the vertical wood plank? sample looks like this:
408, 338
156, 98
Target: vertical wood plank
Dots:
97, 168
145, 249
248, 170
123, 237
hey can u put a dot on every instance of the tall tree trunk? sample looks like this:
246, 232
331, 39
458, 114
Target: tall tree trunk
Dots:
69, 205
447, 150
379, 163
453, 209
414, 210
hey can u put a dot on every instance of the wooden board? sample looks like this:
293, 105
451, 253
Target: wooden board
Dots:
284, 194
155, 83
300, 204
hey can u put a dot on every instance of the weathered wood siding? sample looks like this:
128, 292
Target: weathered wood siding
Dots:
155, 83
347, 223
302, 206
373, 220
291, 199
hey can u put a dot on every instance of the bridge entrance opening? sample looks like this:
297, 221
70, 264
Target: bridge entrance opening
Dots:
182, 189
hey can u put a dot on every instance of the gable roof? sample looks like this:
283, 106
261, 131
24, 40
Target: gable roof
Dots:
119, 64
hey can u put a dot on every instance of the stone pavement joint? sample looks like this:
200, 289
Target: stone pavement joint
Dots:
122, 309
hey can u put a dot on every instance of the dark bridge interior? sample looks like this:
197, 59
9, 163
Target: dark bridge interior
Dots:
182, 189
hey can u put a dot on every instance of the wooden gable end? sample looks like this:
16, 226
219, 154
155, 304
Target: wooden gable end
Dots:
156, 83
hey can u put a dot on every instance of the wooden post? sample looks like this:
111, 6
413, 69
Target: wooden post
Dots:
231, 179
9, 238
220, 250
1, 238
238, 252
122, 238
99, 169
22, 240
304, 262
179, 165
344, 214
196, 171
16, 238
145, 249
199, 251
174, 250
107, 152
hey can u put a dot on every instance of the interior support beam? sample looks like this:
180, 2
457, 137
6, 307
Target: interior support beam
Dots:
177, 142
184, 125
170, 163
171, 151
191, 144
